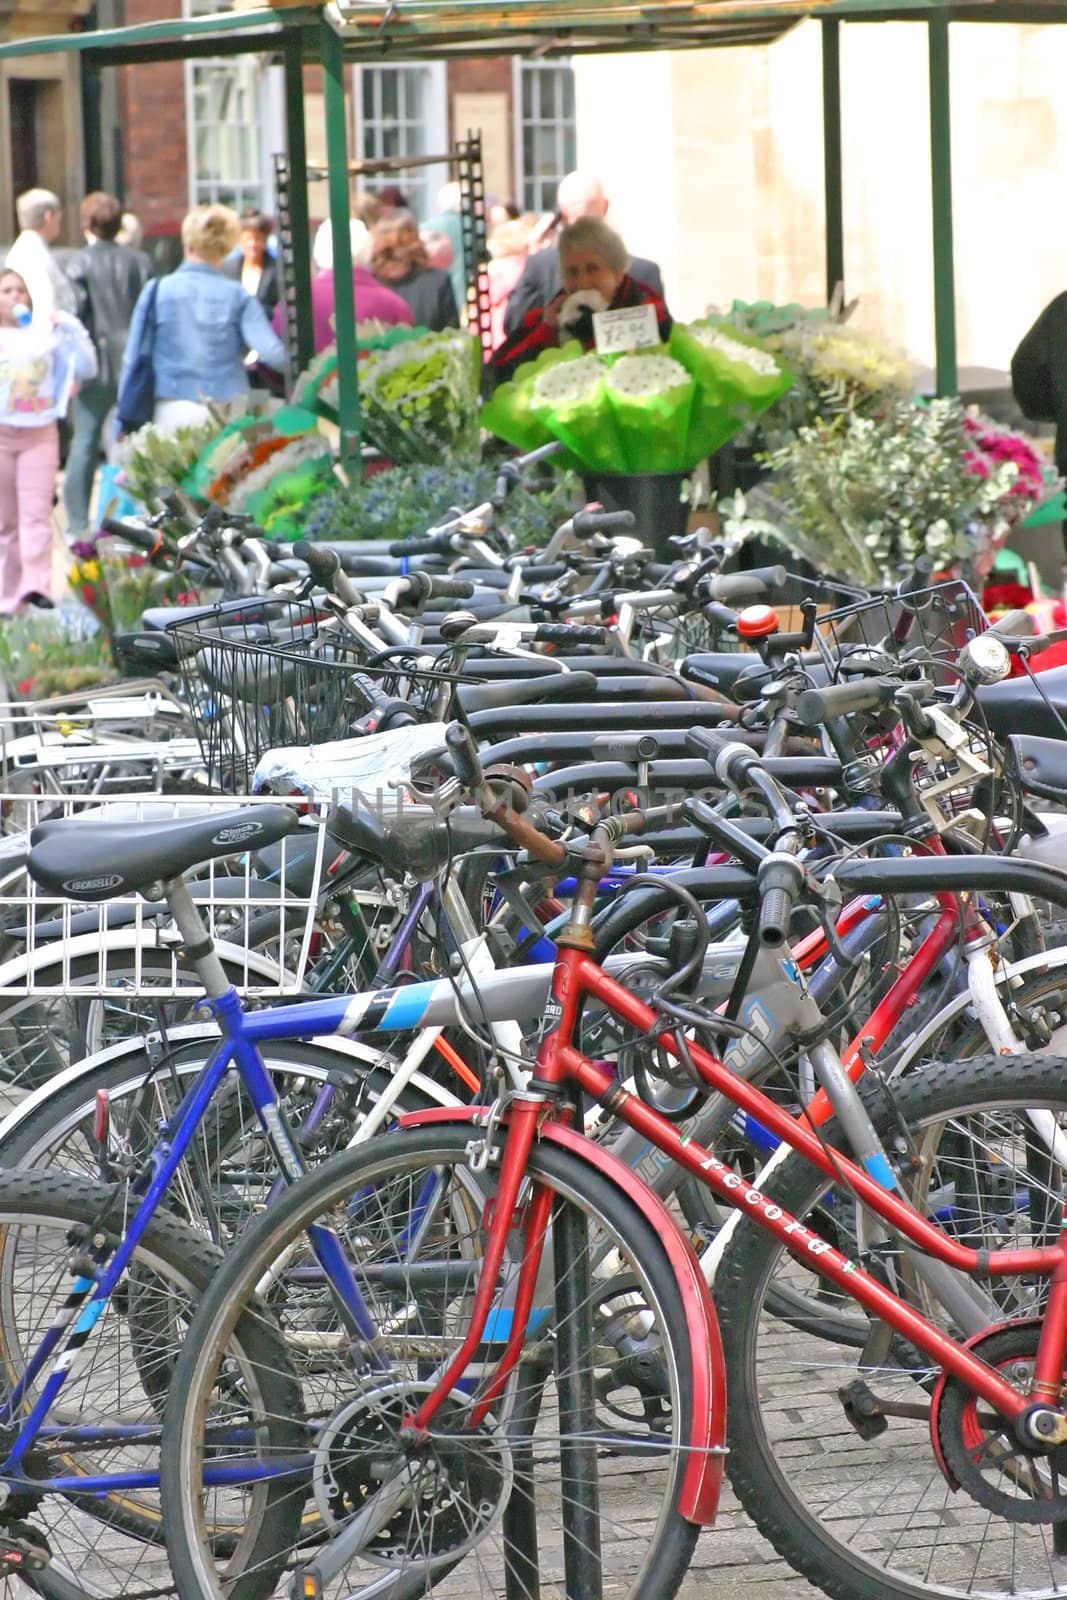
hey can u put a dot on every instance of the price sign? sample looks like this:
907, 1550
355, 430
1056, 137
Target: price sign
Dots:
632, 328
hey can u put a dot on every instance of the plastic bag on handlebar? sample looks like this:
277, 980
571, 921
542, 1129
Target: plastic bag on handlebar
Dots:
373, 768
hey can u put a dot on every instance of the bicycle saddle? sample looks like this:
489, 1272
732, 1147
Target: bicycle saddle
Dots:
1040, 765
1017, 703
100, 860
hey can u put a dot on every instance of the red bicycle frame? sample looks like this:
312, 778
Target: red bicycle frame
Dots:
532, 1115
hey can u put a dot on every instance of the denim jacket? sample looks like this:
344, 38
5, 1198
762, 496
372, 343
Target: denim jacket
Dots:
204, 324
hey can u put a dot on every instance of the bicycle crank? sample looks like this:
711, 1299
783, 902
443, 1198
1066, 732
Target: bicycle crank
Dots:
980, 1452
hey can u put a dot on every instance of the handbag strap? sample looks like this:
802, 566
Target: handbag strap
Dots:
149, 329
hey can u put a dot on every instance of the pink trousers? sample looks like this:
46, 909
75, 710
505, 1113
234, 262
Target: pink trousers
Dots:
29, 462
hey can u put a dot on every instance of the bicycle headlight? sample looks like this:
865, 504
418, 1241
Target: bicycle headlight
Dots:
985, 659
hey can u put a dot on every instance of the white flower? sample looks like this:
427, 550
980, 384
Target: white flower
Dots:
640, 375
567, 381
745, 355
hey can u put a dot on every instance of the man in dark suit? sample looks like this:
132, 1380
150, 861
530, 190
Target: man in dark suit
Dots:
579, 195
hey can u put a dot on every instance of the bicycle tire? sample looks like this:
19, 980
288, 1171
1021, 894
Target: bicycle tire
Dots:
357, 1185
41, 1034
102, 1548
772, 1465
58, 1131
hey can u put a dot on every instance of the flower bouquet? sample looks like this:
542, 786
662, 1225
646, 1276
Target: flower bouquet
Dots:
418, 390
654, 411
153, 459
133, 585
44, 654
837, 368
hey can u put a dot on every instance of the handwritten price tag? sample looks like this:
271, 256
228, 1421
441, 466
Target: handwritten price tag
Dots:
632, 328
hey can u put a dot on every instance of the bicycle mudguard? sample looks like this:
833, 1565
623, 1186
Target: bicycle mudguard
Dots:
699, 1497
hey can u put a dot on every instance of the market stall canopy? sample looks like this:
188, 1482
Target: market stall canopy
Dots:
577, 27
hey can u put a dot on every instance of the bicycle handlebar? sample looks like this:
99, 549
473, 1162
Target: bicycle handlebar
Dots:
816, 706
151, 540
596, 520
744, 585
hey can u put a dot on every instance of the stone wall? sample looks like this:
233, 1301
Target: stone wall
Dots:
720, 176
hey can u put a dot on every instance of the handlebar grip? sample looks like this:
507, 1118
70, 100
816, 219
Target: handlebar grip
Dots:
745, 585
570, 633
325, 567
448, 588
593, 520
420, 547
466, 761
321, 562
151, 540
780, 879
816, 706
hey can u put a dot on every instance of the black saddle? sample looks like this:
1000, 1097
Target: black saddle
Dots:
1017, 703
1040, 765
100, 860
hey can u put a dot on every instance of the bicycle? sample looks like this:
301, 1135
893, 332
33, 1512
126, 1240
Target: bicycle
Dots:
392, 1396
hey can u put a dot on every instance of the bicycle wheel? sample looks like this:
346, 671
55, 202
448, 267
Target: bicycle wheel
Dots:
229, 1170
103, 1545
42, 1033
867, 1513
410, 1211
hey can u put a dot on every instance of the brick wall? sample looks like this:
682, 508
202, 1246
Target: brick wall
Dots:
153, 133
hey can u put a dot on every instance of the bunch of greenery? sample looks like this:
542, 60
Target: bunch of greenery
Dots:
861, 497
403, 502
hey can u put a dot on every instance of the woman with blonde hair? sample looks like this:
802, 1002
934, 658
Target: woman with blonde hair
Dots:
399, 261
199, 326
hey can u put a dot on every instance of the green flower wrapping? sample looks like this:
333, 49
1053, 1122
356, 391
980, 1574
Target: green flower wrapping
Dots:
736, 379
508, 412
651, 397
571, 400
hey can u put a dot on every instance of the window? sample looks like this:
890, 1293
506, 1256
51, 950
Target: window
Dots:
402, 113
547, 147
224, 118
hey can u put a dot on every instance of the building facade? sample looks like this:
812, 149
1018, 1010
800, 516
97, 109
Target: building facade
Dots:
209, 129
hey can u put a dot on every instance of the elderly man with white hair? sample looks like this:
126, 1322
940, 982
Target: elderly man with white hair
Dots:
579, 195
40, 214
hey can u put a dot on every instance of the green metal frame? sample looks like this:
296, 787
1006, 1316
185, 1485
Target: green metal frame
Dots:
304, 34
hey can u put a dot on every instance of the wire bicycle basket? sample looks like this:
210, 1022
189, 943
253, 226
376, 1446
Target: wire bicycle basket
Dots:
927, 628
253, 685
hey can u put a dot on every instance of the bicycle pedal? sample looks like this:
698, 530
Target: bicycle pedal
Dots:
23, 1549
862, 1409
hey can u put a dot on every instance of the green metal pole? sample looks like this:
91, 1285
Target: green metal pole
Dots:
344, 303
832, 158
296, 145
941, 186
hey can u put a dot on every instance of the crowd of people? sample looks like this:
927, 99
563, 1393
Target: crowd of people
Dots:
95, 345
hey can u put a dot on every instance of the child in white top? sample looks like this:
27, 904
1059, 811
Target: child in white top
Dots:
40, 363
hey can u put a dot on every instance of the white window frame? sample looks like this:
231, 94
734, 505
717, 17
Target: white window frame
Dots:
270, 112
436, 124
518, 122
